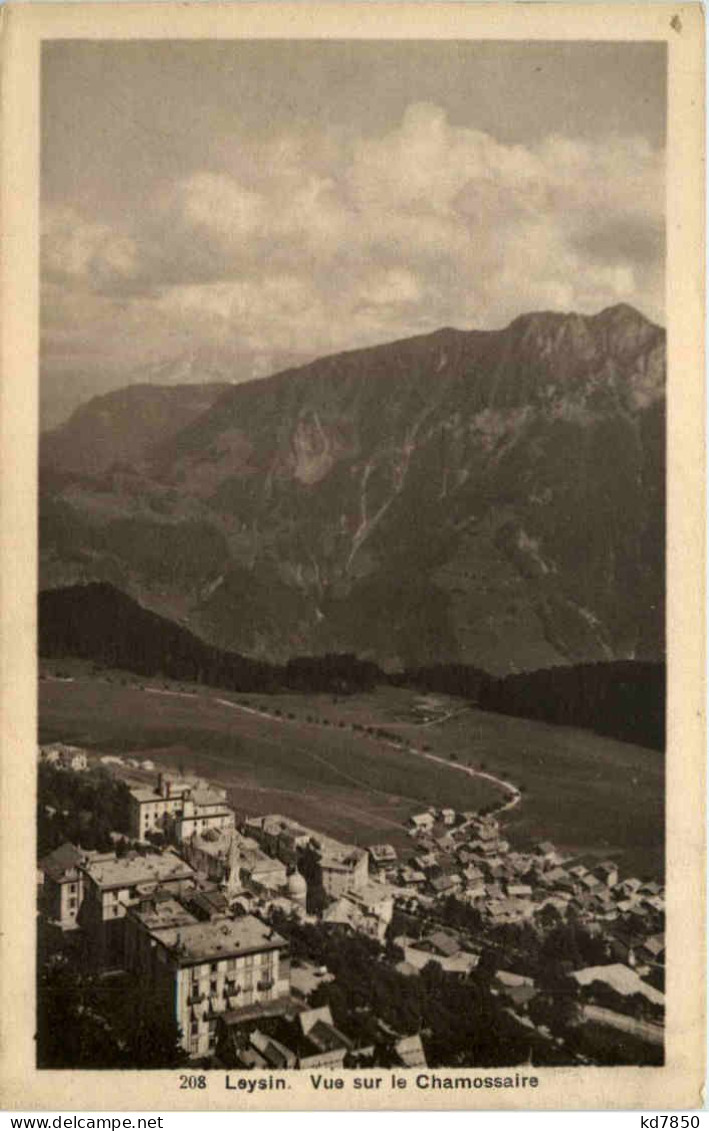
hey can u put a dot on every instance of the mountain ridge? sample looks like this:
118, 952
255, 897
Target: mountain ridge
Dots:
491, 497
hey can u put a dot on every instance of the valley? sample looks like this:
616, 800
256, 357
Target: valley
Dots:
301, 754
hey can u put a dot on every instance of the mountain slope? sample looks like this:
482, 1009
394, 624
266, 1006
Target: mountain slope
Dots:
492, 497
122, 426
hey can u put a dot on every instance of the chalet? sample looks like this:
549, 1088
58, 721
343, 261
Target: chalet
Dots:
652, 949
443, 885
519, 891
621, 979
517, 988
408, 1052
421, 822
607, 873
578, 871
589, 882
323, 1045
442, 943
65, 757
382, 856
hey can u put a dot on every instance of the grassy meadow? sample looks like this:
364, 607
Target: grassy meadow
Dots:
310, 757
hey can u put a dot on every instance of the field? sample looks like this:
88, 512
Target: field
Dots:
588, 794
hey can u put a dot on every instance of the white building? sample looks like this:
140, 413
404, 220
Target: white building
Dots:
368, 911
112, 884
201, 971
63, 885
179, 807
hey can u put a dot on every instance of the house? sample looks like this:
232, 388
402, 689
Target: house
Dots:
408, 1052
421, 822
589, 882
628, 887
418, 954
274, 1053
382, 857
653, 949
63, 885
509, 910
578, 871
343, 869
369, 910
517, 988
448, 816
519, 891
555, 876
623, 945
411, 877
324, 1046
621, 979
474, 888
443, 885
607, 873
197, 972
64, 757
442, 943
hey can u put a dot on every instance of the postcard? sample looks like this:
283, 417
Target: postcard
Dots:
352, 562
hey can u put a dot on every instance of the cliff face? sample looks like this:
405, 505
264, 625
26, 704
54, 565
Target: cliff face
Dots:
495, 498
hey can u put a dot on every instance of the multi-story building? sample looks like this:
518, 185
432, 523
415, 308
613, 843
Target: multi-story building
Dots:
63, 885
368, 911
112, 884
343, 870
150, 809
343, 866
202, 809
64, 757
179, 807
200, 971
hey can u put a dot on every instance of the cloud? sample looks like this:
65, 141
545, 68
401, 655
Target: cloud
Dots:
84, 253
311, 243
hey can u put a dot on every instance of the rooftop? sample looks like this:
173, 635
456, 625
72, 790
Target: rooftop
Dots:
160, 913
208, 797
64, 859
621, 979
133, 869
200, 942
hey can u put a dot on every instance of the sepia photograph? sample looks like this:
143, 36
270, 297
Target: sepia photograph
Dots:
352, 562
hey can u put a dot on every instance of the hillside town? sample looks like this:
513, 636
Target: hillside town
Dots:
260, 943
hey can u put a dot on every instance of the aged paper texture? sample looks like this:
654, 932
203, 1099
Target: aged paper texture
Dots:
413, 593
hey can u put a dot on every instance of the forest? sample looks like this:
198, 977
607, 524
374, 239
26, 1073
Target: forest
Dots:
622, 699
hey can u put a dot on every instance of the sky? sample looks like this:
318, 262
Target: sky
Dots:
229, 208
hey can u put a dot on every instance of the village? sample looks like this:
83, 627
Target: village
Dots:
223, 920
